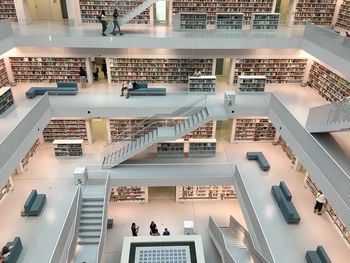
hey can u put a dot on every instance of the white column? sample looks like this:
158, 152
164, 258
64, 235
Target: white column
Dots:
214, 67
305, 179
89, 70
151, 15
8, 69
273, 6
109, 75
109, 136
292, 8
233, 130
336, 11
307, 70
170, 14
74, 14
232, 71
22, 11
88, 131
297, 165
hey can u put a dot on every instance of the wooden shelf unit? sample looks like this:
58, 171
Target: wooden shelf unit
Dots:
251, 83
332, 213
276, 70
171, 148
129, 194
46, 69
160, 70
121, 129
315, 12
329, 85
58, 129
6, 99
68, 148
286, 149
265, 21
8, 10
4, 80
203, 84
190, 21
254, 129
26, 159
229, 21
202, 147
90, 10
205, 192
212, 7
343, 20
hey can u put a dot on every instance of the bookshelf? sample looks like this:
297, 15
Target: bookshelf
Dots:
315, 12
171, 148
122, 129
4, 80
329, 85
251, 83
265, 21
46, 69
229, 21
5, 188
332, 213
203, 84
253, 129
6, 99
73, 129
90, 10
190, 21
8, 10
26, 159
288, 151
202, 147
160, 70
68, 148
129, 194
205, 192
213, 7
343, 20
275, 70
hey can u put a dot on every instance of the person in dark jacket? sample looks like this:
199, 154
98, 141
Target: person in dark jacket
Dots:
104, 68
166, 232
102, 18
153, 228
134, 229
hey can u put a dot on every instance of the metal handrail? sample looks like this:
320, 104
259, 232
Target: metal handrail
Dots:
177, 113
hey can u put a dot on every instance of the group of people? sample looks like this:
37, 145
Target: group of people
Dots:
103, 20
4, 253
153, 230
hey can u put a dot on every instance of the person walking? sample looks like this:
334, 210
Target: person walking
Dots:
166, 232
115, 22
320, 200
102, 18
153, 228
134, 229
83, 75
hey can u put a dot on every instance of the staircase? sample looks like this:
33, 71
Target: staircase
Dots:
332, 117
124, 150
135, 12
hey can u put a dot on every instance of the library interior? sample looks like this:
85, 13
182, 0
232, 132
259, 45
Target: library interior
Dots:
168, 131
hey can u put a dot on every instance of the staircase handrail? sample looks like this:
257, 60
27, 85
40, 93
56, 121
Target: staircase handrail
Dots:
177, 113
248, 240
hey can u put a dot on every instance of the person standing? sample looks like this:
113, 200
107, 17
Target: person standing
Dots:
115, 22
104, 68
153, 228
134, 229
166, 232
320, 200
102, 18
124, 88
95, 71
83, 75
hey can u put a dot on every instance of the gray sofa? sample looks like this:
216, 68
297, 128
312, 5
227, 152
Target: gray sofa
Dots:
63, 88
34, 204
15, 251
141, 89
260, 158
283, 198
318, 256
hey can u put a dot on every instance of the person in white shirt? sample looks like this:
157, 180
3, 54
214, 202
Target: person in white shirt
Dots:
320, 200
197, 73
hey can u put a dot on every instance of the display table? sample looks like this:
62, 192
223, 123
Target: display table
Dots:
68, 147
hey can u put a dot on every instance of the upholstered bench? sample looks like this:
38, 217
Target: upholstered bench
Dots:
34, 91
34, 204
260, 158
147, 92
15, 250
67, 85
318, 256
283, 198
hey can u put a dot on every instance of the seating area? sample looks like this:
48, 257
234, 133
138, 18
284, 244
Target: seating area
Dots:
283, 198
260, 158
34, 204
15, 250
63, 88
318, 256
141, 89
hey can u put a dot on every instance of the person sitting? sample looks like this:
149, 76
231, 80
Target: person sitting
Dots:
124, 88
4, 253
347, 33
166, 232
156, 233
197, 73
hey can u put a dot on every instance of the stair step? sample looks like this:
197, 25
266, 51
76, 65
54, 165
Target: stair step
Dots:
90, 228
205, 113
90, 222
91, 210
93, 199
89, 234
93, 204
186, 123
155, 133
200, 116
88, 241
191, 121
91, 216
